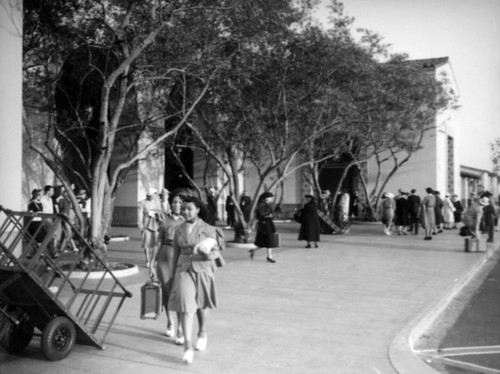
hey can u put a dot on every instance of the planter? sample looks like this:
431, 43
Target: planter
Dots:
118, 269
240, 245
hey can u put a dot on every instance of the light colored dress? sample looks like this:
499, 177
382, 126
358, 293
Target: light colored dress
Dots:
150, 217
448, 210
194, 281
429, 211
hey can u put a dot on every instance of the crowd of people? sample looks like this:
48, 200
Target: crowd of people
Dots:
406, 212
55, 200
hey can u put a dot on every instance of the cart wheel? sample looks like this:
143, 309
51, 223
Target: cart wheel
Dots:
16, 337
58, 338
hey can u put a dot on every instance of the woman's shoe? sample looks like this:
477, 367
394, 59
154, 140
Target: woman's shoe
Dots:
308, 246
315, 245
188, 356
269, 259
179, 340
201, 343
251, 254
170, 331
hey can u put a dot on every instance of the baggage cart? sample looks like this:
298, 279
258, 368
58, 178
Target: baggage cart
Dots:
38, 293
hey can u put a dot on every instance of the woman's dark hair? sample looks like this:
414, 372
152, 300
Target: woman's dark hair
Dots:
191, 199
173, 196
429, 190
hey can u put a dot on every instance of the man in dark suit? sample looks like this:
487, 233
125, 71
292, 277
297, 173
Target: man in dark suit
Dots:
414, 210
245, 205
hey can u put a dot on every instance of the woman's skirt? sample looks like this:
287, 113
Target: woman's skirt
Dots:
191, 291
149, 238
429, 218
164, 271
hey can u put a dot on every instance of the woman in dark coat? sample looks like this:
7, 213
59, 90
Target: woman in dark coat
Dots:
402, 214
309, 222
439, 212
459, 209
265, 226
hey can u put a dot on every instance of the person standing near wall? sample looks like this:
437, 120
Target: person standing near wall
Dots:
429, 213
414, 211
459, 209
438, 211
448, 213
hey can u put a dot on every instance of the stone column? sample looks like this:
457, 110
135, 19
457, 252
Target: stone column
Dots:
11, 142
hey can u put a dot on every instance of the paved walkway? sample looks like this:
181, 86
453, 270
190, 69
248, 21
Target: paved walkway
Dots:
346, 307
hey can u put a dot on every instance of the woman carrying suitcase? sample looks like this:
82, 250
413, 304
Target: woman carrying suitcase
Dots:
165, 261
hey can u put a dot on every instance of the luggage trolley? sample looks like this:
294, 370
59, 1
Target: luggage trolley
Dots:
38, 292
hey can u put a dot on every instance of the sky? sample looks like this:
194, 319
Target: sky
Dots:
466, 31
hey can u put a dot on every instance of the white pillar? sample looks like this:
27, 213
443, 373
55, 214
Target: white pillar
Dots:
11, 141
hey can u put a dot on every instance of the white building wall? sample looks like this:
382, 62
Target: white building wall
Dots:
11, 104
419, 172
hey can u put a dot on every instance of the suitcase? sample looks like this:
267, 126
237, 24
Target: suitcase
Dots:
275, 240
474, 245
150, 300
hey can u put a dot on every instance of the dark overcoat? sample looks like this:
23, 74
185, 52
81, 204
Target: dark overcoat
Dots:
402, 217
265, 225
309, 223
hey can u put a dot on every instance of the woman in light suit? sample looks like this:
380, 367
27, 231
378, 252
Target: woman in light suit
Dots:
196, 246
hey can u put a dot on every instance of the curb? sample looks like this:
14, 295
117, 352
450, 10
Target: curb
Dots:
401, 349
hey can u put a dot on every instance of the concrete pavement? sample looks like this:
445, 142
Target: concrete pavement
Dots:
351, 306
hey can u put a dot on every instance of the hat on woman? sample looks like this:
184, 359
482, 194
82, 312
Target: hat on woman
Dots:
151, 191
265, 195
390, 195
484, 201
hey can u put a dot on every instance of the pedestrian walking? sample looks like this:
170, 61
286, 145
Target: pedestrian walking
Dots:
65, 209
195, 246
164, 258
149, 219
309, 222
429, 213
386, 211
414, 207
448, 213
265, 226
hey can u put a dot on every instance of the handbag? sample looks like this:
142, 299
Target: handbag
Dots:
298, 216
